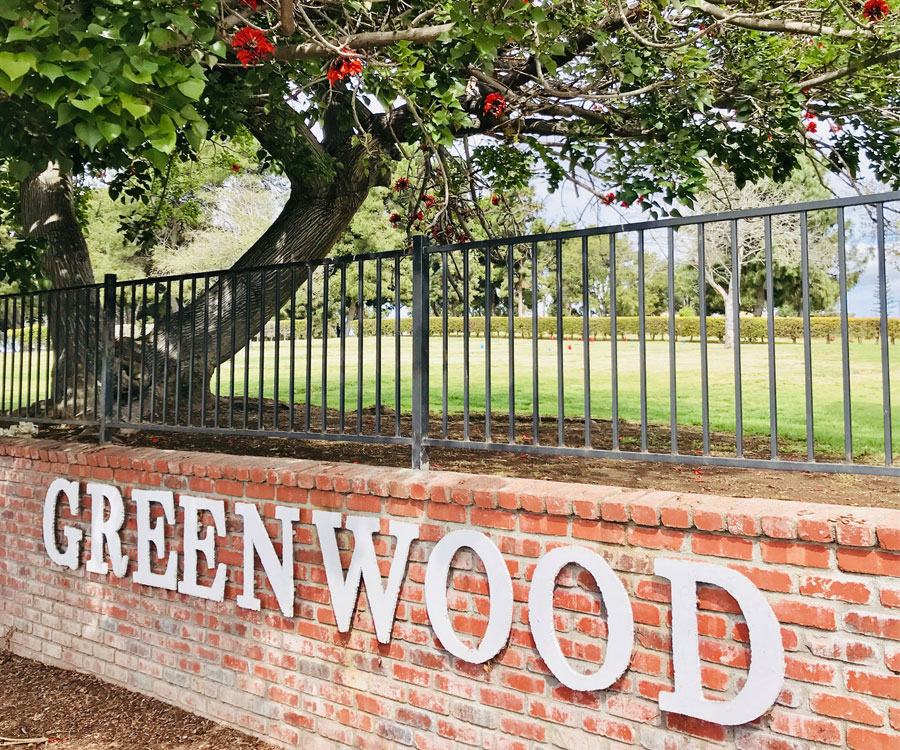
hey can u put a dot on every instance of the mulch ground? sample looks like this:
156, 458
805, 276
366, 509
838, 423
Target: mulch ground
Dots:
56, 708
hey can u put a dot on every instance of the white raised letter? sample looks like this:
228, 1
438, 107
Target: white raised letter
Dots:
766, 673
363, 566
256, 538
619, 620
154, 535
501, 595
70, 557
106, 528
207, 545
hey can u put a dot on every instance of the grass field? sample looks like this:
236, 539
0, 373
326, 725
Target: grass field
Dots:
865, 382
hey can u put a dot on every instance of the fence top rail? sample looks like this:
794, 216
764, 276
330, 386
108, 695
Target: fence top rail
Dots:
678, 221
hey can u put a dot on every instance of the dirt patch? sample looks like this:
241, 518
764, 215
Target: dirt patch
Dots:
843, 489
73, 711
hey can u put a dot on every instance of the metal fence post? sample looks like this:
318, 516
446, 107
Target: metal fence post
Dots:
107, 345
420, 332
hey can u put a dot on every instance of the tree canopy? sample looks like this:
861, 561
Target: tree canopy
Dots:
638, 92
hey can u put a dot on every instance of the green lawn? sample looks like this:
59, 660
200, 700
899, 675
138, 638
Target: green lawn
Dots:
865, 369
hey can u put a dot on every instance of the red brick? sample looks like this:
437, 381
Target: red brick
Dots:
795, 553
598, 531
540, 524
854, 533
655, 538
696, 727
868, 739
871, 562
842, 707
829, 588
801, 613
722, 546
880, 626
889, 535
816, 730
879, 686
615, 730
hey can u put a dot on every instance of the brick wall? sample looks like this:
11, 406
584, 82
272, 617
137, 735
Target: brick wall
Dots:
830, 574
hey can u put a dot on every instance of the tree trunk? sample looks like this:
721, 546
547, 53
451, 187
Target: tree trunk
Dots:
202, 335
48, 214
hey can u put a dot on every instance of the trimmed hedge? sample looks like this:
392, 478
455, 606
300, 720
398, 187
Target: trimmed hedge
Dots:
752, 329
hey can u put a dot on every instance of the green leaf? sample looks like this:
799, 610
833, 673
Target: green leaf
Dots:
49, 70
50, 95
162, 138
89, 134
192, 88
110, 130
137, 107
80, 75
16, 64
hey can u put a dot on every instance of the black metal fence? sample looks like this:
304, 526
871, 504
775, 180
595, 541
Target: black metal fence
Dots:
685, 340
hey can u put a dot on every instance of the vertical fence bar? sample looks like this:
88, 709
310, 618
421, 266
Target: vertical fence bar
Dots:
309, 335
143, 354
845, 335
885, 341
673, 389
37, 363
361, 307
217, 408
133, 321
204, 383
642, 339
276, 387
193, 352
445, 345
6, 348
21, 352
420, 329
535, 394
292, 348
52, 320
736, 326
807, 335
28, 399
156, 322
511, 332
613, 346
108, 355
378, 313
585, 340
178, 355
343, 349
560, 351
465, 302
167, 337
262, 346
488, 304
325, 275
96, 291
234, 313
770, 330
248, 283
397, 346
76, 306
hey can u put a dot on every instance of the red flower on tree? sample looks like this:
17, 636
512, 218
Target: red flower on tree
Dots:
494, 104
395, 219
250, 4
811, 127
343, 67
875, 10
251, 46
608, 199
235, 168
401, 184
430, 200
495, 200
